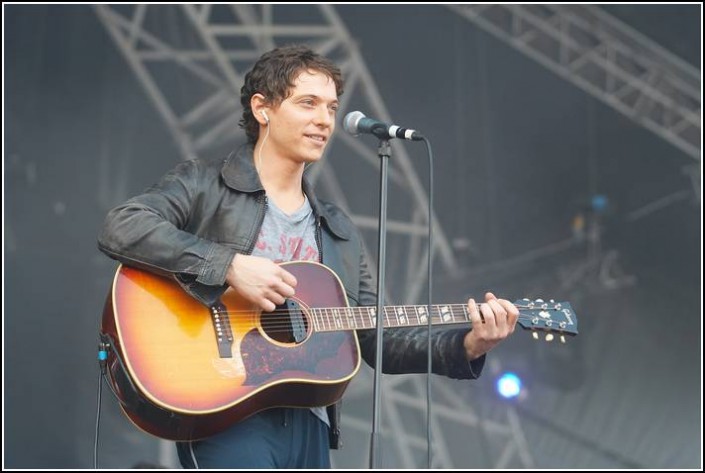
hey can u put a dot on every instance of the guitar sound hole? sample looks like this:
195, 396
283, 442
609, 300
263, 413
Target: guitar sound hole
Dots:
287, 324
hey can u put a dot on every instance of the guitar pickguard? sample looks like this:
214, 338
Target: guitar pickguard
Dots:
265, 361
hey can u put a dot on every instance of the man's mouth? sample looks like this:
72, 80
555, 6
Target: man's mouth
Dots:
319, 138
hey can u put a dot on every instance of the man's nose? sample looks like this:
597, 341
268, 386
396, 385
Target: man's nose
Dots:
324, 117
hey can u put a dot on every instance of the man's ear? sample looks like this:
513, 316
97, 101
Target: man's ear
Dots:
258, 103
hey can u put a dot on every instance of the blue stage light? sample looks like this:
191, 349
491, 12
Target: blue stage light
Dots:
599, 203
509, 385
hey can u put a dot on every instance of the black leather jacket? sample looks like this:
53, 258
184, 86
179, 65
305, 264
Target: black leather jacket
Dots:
191, 224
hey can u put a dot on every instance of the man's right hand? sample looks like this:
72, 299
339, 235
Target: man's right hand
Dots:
260, 281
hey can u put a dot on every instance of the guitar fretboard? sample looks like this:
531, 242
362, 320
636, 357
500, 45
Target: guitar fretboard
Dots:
330, 319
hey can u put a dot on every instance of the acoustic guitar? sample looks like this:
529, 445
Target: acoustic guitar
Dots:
184, 371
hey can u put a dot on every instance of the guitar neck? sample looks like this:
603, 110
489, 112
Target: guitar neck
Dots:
330, 319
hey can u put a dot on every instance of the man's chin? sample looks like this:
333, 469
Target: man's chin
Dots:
313, 158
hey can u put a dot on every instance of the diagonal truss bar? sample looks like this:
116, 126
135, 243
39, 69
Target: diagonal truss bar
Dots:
607, 59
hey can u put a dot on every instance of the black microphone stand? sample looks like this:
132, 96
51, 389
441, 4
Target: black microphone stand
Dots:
384, 151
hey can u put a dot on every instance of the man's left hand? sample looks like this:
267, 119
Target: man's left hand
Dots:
494, 322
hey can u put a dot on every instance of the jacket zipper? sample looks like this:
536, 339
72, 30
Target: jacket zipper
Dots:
318, 239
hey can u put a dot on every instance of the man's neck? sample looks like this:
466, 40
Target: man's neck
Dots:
282, 180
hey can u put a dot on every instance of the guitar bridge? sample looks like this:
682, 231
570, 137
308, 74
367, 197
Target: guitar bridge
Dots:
223, 332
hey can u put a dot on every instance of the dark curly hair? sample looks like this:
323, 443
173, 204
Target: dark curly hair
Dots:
273, 76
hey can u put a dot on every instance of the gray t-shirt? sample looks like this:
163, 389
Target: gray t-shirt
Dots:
287, 237
292, 237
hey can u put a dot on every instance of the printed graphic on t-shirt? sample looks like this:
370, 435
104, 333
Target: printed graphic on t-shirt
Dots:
289, 248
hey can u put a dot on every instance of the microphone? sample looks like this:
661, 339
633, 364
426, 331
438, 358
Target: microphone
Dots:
356, 123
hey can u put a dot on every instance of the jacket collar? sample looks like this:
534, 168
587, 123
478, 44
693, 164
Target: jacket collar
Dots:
239, 170
239, 173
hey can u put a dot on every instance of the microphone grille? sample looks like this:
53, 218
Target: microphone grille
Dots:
351, 120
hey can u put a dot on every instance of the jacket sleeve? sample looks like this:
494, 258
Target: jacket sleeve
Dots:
405, 349
148, 232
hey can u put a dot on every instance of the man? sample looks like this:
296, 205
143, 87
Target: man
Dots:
214, 225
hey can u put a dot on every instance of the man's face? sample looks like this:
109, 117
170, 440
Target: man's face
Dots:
301, 126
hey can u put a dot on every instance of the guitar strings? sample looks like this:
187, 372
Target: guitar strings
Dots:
281, 325
357, 311
360, 309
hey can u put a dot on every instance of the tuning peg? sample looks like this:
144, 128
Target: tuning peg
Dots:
549, 337
562, 338
535, 335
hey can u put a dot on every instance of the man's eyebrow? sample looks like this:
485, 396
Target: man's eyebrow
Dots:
314, 96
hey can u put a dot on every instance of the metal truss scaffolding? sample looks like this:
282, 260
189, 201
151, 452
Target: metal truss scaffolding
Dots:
607, 59
190, 60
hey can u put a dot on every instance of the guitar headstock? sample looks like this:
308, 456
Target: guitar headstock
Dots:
553, 318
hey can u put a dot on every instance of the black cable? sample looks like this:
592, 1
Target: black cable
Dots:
430, 285
102, 360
